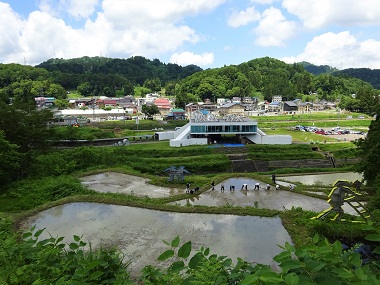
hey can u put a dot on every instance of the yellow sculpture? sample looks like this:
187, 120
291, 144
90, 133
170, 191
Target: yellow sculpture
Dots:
344, 191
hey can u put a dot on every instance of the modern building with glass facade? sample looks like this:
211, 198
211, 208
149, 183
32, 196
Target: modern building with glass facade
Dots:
207, 129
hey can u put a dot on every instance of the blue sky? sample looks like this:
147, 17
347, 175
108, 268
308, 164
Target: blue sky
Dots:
208, 33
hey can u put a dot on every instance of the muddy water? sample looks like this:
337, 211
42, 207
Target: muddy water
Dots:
139, 232
322, 179
272, 199
127, 184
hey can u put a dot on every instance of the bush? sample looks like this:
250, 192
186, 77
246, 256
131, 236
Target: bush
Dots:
51, 261
31, 193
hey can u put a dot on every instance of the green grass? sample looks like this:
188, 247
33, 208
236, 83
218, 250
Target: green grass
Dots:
300, 137
313, 116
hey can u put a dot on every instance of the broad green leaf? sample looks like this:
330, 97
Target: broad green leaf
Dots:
177, 266
360, 274
345, 274
166, 255
250, 279
269, 280
315, 266
337, 247
355, 259
227, 262
195, 260
185, 250
315, 238
27, 235
290, 264
207, 251
73, 246
373, 237
58, 240
292, 279
93, 264
282, 256
289, 247
95, 275
76, 238
301, 252
38, 233
175, 241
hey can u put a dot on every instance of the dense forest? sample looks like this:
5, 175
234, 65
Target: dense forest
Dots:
138, 76
369, 75
317, 69
135, 70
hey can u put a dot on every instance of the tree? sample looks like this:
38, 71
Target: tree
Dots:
10, 160
27, 129
141, 91
61, 104
149, 111
368, 99
153, 84
370, 152
85, 89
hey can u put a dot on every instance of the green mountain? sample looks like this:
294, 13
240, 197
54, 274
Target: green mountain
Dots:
317, 69
136, 69
371, 76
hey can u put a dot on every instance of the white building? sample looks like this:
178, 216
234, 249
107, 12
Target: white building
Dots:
207, 129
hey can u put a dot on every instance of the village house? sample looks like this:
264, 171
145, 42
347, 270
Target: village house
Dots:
274, 106
231, 109
176, 114
163, 105
289, 107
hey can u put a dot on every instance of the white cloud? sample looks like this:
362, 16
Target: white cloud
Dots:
273, 28
318, 13
80, 8
10, 28
124, 28
186, 58
44, 36
341, 50
243, 18
145, 12
264, 2
75, 8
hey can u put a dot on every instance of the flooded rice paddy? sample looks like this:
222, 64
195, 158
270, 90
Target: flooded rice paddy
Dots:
139, 232
323, 179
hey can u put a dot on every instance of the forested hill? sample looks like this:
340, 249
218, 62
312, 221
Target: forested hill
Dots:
136, 69
371, 76
317, 69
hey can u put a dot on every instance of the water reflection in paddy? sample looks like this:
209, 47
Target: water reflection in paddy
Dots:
139, 232
269, 199
323, 179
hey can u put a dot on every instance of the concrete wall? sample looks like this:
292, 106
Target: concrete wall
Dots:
162, 136
263, 138
186, 142
276, 139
